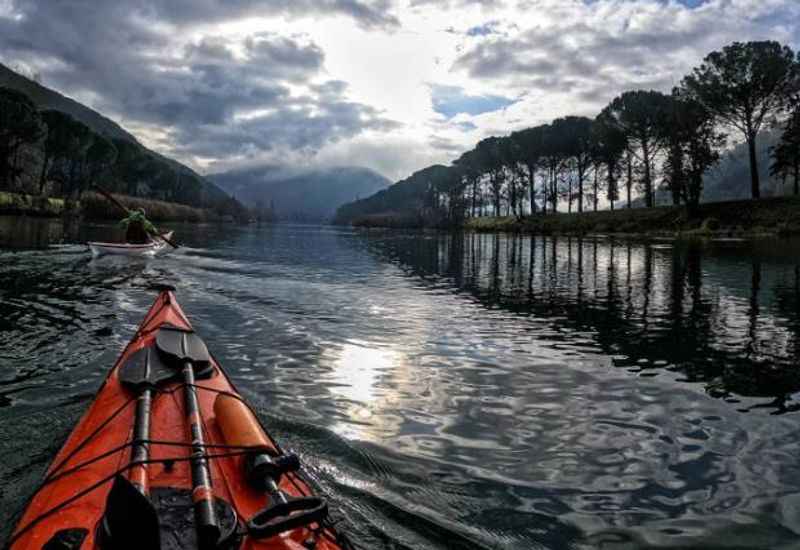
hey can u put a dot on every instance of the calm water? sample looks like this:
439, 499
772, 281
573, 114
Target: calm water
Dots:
469, 391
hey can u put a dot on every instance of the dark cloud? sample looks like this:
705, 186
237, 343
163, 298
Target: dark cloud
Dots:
212, 97
597, 50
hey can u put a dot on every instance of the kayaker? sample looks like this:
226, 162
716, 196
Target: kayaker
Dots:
137, 227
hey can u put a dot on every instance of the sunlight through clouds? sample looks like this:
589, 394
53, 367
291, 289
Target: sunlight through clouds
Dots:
241, 83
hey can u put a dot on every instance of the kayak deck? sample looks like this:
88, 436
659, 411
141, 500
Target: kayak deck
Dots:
75, 489
128, 249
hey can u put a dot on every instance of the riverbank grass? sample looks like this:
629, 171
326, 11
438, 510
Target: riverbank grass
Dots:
31, 205
94, 206
746, 218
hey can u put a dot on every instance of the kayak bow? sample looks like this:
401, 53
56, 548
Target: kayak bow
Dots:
126, 475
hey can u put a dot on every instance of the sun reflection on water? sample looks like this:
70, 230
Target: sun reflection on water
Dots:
357, 367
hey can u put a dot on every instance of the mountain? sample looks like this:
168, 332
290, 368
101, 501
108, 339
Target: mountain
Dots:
403, 201
45, 98
300, 195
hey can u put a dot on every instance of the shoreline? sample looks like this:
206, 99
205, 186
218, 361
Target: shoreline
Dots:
738, 219
93, 207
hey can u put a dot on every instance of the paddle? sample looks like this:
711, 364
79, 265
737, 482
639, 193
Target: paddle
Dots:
130, 520
188, 351
125, 209
141, 373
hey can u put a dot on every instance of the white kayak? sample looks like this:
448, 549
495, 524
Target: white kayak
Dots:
127, 249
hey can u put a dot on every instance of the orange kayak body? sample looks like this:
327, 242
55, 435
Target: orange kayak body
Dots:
74, 493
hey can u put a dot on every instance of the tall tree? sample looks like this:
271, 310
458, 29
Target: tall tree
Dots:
744, 85
786, 154
694, 146
56, 146
20, 124
492, 162
553, 160
100, 157
642, 116
609, 144
529, 148
469, 166
574, 136
70, 168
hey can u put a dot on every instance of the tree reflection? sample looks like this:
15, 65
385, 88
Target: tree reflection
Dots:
648, 307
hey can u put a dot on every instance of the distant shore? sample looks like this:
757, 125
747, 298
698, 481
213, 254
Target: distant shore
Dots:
730, 219
95, 207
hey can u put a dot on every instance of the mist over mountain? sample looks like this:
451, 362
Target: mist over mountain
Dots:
300, 194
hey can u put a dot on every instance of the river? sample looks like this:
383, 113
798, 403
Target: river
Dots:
451, 391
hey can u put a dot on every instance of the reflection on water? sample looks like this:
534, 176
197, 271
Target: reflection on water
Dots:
455, 391
28, 232
722, 314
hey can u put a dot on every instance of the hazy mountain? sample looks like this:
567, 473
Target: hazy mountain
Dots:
730, 178
305, 195
45, 98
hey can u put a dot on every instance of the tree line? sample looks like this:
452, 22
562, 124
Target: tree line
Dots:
642, 141
50, 153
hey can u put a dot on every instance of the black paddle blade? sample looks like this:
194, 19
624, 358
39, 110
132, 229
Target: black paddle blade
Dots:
130, 521
145, 369
179, 346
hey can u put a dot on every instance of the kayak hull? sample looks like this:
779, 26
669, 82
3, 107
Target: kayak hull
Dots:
81, 474
127, 249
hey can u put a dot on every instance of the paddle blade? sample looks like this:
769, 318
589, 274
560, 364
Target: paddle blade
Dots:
130, 521
179, 346
145, 369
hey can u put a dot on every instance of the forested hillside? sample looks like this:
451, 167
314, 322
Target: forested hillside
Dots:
51, 145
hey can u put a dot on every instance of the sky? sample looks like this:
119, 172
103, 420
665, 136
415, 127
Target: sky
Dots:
394, 85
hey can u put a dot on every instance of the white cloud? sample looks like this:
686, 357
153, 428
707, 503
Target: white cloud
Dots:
321, 82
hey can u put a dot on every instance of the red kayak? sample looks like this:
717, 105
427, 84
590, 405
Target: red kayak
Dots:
169, 456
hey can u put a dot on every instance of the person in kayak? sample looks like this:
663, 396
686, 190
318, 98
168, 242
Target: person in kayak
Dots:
137, 227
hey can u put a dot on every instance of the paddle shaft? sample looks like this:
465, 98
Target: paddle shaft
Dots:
205, 516
141, 449
122, 207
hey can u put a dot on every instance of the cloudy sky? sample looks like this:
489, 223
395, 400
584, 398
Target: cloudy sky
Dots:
391, 84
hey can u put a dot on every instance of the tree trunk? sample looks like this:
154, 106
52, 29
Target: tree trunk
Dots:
532, 184
580, 188
596, 191
43, 174
569, 195
648, 182
755, 184
474, 193
629, 182
796, 174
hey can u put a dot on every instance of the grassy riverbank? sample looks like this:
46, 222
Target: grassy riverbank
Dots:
96, 207
31, 205
747, 218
